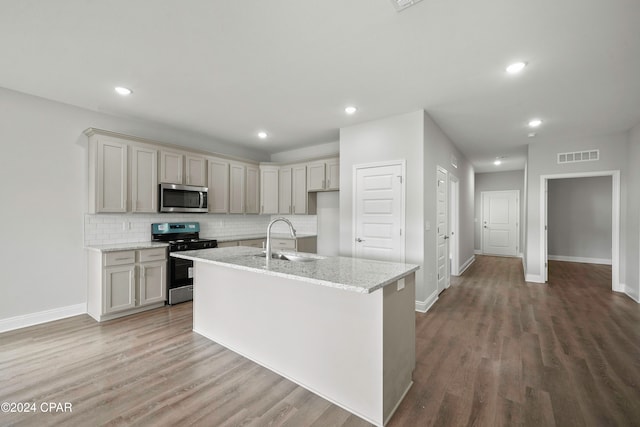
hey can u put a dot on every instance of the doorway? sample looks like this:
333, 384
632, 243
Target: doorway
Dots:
615, 223
442, 227
379, 216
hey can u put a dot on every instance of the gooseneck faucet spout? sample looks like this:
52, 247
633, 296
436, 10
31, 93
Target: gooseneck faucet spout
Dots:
268, 249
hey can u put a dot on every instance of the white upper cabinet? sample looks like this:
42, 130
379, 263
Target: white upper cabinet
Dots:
107, 174
333, 174
218, 196
323, 175
269, 189
299, 189
144, 179
195, 170
171, 167
252, 205
315, 176
236, 187
284, 190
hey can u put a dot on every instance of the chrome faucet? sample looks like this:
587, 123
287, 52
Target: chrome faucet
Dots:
291, 230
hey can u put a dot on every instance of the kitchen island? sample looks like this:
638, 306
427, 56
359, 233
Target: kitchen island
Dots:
343, 328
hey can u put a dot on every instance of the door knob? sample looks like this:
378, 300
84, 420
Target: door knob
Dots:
445, 237
359, 240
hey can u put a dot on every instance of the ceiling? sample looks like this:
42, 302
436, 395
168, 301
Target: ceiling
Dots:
228, 69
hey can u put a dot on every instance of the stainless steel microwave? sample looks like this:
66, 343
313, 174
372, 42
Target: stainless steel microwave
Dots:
183, 198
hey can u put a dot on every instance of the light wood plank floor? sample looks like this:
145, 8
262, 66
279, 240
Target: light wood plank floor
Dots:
492, 351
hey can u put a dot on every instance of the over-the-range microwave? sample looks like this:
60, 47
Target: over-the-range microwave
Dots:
182, 198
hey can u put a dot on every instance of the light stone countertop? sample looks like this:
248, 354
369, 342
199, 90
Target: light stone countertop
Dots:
127, 246
351, 274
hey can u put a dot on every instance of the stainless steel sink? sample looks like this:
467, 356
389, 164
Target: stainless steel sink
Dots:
289, 257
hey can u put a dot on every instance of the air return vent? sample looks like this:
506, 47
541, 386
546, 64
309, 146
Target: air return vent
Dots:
403, 4
579, 156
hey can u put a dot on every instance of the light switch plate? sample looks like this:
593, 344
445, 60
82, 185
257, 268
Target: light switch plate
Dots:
401, 284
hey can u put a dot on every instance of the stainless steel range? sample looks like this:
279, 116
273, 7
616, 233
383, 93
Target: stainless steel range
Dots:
181, 236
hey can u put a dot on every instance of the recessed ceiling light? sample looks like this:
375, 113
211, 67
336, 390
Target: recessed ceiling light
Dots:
497, 162
262, 135
516, 67
350, 109
124, 91
531, 134
534, 123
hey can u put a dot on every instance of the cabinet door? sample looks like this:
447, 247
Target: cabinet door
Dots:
171, 167
333, 174
269, 190
111, 177
236, 188
299, 189
144, 179
153, 285
253, 243
195, 171
252, 205
228, 244
284, 191
119, 288
315, 176
218, 197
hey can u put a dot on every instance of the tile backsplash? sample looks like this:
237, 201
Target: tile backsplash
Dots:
107, 229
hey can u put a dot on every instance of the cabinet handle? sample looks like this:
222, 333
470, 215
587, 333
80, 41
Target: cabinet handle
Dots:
123, 259
328, 183
156, 256
323, 183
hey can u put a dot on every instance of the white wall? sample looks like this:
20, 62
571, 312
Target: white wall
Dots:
633, 215
394, 138
415, 138
306, 153
43, 170
542, 160
438, 150
498, 181
579, 218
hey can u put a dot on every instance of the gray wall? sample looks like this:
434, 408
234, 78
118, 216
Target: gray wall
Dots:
498, 181
44, 173
542, 160
633, 215
579, 218
416, 138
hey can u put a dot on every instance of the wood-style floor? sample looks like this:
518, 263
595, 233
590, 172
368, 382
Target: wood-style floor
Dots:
492, 351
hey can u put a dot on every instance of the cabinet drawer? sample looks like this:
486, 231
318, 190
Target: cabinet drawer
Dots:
254, 243
119, 258
157, 254
283, 243
227, 244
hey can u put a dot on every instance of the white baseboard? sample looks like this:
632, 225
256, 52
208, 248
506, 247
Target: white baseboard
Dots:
477, 251
535, 278
628, 292
467, 264
580, 259
31, 319
424, 306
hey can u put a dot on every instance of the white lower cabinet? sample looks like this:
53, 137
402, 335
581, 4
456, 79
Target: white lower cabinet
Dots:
126, 282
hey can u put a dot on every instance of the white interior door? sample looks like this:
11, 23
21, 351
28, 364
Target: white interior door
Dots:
500, 213
379, 212
545, 259
442, 220
454, 225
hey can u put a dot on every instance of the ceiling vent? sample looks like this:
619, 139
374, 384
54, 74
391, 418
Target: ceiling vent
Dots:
579, 156
403, 4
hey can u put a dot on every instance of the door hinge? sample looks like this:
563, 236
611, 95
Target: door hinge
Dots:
401, 231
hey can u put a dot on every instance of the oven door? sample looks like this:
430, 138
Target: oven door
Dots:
180, 272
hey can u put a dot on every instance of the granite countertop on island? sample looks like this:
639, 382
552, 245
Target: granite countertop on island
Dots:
126, 246
351, 274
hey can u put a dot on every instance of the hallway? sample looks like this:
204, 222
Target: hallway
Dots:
495, 350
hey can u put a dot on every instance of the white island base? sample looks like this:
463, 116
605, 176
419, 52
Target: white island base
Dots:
356, 350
